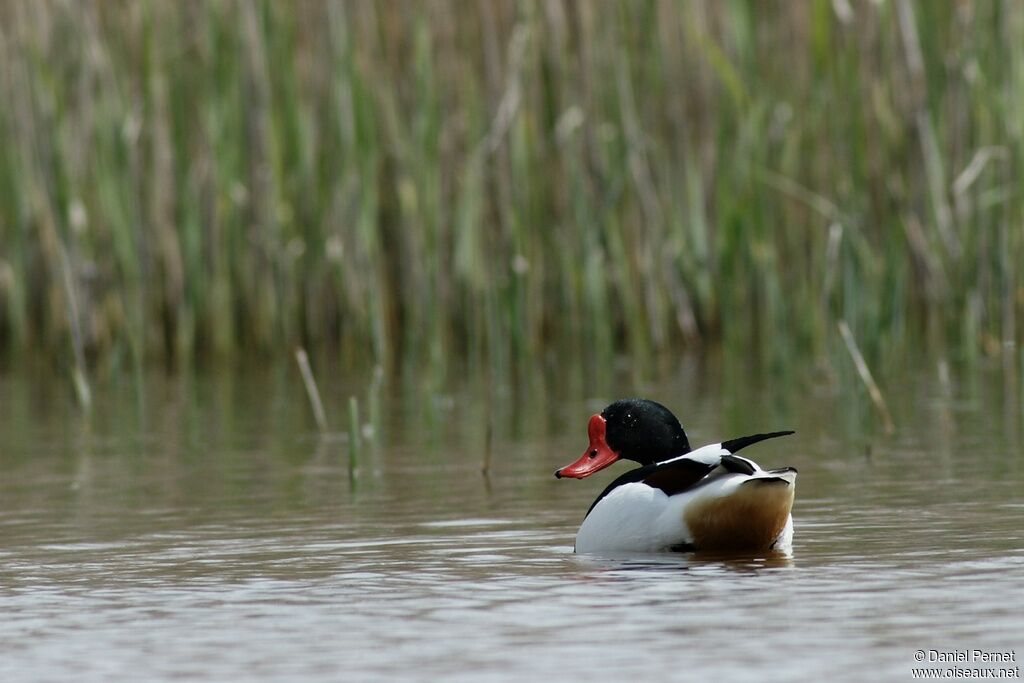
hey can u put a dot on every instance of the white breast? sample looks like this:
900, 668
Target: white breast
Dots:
632, 518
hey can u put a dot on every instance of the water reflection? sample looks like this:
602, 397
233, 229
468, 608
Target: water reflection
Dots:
703, 561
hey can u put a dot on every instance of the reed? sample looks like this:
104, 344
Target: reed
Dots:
396, 184
312, 392
354, 435
864, 372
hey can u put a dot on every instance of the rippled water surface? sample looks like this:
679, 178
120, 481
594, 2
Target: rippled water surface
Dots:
200, 529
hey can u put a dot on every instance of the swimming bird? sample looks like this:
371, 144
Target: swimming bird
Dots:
678, 499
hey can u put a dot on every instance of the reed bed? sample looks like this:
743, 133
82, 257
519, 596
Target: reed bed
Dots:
507, 181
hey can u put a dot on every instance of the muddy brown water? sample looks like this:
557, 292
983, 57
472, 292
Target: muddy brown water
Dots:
200, 529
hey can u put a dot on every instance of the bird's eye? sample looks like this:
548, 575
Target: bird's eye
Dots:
593, 453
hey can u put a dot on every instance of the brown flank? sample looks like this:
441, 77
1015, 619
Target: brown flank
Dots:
749, 519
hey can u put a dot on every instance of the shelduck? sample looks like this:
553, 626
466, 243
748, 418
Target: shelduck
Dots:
679, 499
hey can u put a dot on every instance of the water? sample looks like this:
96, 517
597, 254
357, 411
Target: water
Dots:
200, 529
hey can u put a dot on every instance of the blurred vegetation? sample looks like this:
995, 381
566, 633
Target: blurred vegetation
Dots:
388, 181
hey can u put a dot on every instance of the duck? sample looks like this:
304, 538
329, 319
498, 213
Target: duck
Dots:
679, 499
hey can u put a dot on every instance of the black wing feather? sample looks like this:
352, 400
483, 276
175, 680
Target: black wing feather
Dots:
734, 445
734, 463
671, 477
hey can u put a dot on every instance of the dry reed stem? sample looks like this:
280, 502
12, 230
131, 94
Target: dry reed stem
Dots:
866, 377
353, 435
311, 389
